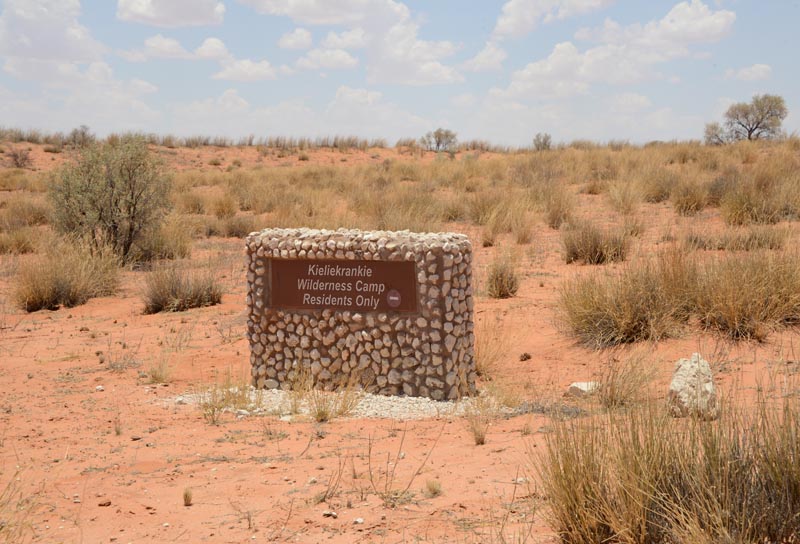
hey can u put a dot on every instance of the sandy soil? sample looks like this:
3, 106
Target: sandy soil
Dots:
108, 457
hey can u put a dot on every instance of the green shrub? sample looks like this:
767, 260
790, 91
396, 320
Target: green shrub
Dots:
170, 289
112, 195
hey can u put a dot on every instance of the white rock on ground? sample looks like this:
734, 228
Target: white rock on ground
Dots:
692, 391
581, 389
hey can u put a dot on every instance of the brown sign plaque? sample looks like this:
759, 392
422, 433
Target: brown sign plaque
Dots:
361, 286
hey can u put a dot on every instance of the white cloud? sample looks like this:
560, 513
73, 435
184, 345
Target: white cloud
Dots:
395, 53
755, 72
171, 13
245, 70
46, 30
212, 49
299, 38
327, 59
70, 96
626, 54
331, 12
518, 17
350, 39
159, 46
402, 58
491, 57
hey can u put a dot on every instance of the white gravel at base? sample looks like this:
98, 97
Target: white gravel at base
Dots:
277, 402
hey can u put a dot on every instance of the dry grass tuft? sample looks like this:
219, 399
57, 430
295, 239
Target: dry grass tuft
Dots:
68, 275
502, 280
648, 300
171, 289
642, 476
583, 242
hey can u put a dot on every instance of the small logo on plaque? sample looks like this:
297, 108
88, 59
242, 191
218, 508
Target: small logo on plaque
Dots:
393, 298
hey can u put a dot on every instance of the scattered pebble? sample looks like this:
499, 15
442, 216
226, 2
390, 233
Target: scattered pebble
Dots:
330, 514
358, 521
99, 388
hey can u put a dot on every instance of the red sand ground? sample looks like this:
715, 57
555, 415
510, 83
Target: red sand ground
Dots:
255, 479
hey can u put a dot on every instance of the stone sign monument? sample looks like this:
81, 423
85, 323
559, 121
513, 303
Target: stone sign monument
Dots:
393, 309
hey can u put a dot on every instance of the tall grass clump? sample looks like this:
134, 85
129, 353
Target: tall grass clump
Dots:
68, 275
171, 289
688, 197
643, 477
648, 300
746, 296
583, 242
502, 279
559, 205
624, 197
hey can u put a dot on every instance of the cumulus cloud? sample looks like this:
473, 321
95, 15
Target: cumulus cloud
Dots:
299, 38
171, 13
395, 54
518, 17
46, 30
625, 55
491, 57
160, 47
350, 39
327, 58
212, 49
245, 70
755, 72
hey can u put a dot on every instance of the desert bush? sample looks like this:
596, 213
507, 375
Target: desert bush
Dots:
20, 157
171, 289
111, 195
502, 279
583, 242
644, 477
648, 300
542, 141
69, 274
688, 197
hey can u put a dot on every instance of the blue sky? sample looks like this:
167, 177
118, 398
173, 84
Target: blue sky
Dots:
494, 70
